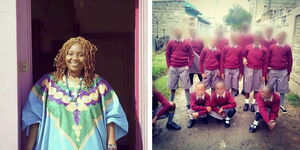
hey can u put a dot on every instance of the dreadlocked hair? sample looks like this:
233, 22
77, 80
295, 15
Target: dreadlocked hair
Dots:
89, 64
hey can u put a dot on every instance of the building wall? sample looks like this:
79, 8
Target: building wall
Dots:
8, 76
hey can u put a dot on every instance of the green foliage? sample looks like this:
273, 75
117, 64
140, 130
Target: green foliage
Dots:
236, 16
159, 66
161, 85
293, 98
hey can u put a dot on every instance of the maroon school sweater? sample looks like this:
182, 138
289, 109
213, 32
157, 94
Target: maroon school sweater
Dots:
280, 58
267, 43
231, 58
226, 102
272, 105
179, 54
209, 59
157, 98
199, 105
197, 45
245, 39
256, 58
221, 43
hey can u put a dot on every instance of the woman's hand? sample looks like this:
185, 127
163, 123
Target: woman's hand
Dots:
111, 145
33, 131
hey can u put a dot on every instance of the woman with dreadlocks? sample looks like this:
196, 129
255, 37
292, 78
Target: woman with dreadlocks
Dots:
72, 108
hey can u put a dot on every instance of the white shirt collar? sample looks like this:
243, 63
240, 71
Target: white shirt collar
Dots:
271, 99
212, 48
202, 97
223, 95
269, 39
233, 45
281, 45
180, 40
255, 46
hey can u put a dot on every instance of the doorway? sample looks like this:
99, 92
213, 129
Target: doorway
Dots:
110, 25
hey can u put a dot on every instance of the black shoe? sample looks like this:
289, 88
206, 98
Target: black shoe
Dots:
173, 126
252, 108
226, 123
204, 120
191, 123
252, 128
246, 107
283, 110
188, 106
237, 92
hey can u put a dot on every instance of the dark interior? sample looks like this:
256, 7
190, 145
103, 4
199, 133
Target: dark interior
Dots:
109, 24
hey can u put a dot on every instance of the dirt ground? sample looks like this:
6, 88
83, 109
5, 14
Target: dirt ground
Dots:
214, 136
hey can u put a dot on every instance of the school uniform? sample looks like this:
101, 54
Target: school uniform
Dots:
244, 40
280, 63
225, 101
210, 64
160, 105
267, 108
179, 57
231, 65
197, 45
199, 104
256, 68
268, 42
220, 43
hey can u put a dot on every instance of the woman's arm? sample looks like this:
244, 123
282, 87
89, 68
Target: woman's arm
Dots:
111, 136
33, 130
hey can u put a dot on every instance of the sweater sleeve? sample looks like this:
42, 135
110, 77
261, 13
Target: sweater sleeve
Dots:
168, 53
191, 55
214, 106
201, 60
265, 63
241, 68
274, 109
262, 108
231, 102
164, 102
290, 61
223, 54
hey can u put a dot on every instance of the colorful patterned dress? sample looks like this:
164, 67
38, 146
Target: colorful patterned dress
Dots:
73, 125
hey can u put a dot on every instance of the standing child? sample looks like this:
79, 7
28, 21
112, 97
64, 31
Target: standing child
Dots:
223, 104
179, 57
280, 62
197, 45
232, 64
200, 105
255, 69
209, 65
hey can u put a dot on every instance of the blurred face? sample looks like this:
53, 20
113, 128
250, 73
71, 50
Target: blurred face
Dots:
200, 89
219, 33
269, 32
193, 33
234, 38
266, 94
75, 58
245, 27
220, 88
178, 33
257, 37
281, 37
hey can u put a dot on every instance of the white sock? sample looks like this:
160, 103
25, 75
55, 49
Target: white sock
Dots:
255, 122
246, 101
253, 101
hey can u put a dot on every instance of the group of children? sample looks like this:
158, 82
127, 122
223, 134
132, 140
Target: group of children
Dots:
262, 62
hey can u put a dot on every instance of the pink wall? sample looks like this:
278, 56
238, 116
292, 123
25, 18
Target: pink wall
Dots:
8, 76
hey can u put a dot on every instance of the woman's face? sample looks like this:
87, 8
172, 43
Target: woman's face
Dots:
75, 58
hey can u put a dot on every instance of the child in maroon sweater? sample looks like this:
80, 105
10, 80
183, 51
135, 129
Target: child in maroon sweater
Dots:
280, 63
255, 69
221, 41
223, 104
210, 65
232, 64
162, 108
179, 57
267, 108
197, 45
200, 105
